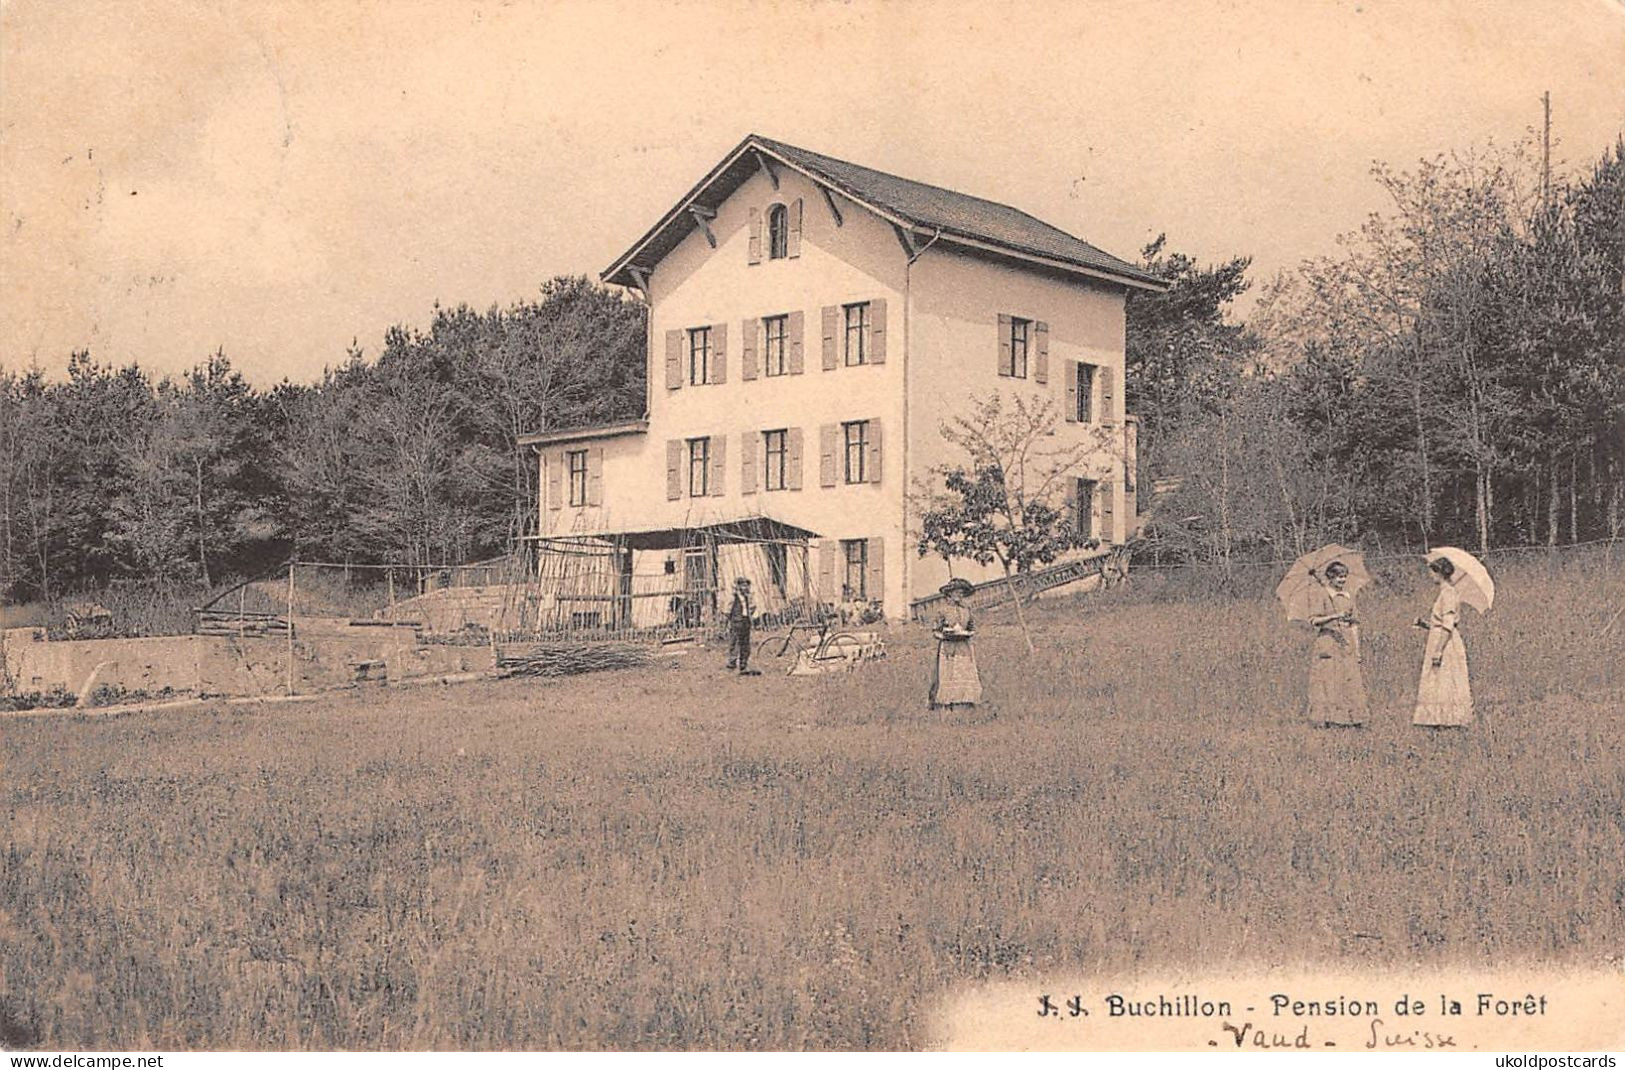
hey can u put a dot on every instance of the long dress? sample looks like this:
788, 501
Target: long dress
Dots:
1336, 687
955, 680
1444, 698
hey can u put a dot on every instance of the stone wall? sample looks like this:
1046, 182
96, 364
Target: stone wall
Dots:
220, 665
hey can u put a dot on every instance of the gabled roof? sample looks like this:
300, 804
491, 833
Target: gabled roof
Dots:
926, 212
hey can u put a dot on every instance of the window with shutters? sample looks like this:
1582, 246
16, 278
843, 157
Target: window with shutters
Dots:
778, 232
855, 579
857, 333
1020, 333
1086, 393
577, 462
857, 450
1084, 507
776, 335
777, 452
699, 356
699, 467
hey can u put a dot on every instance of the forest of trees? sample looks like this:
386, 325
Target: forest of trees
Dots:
1456, 374
411, 458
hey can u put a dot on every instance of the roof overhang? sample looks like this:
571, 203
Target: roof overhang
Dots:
753, 529
584, 434
676, 224
633, 267
1013, 252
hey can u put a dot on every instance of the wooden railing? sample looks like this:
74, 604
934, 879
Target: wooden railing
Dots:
1106, 563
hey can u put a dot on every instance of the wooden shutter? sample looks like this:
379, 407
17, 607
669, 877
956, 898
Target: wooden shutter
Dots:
756, 235
719, 353
1007, 365
1071, 369
792, 459
748, 339
1131, 477
793, 218
1131, 453
674, 469
876, 580
1094, 510
595, 475
555, 480
750, 443
797, 330
1106, 492
827, 469
877, 331
871, 462
674, 359
719, 468
831, 312
1041, 335
1108, 407
828, 589
1071, 485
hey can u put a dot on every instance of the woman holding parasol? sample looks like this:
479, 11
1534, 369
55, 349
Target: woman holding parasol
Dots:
1444, 696
1319, 589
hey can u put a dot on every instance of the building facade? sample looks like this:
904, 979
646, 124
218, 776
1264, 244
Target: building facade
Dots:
812, 326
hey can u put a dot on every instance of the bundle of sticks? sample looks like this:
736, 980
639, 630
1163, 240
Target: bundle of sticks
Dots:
568, 659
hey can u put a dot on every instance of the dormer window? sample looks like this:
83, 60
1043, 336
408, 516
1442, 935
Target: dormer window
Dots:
778, 232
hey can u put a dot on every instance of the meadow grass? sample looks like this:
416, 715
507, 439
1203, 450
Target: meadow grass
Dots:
670, 857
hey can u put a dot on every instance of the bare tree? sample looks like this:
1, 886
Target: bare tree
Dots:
1007, 503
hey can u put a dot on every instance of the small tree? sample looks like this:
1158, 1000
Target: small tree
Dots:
1007, 505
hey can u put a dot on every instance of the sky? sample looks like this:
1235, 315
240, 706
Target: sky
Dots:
281, 179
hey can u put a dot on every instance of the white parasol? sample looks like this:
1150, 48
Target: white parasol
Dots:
1470, 578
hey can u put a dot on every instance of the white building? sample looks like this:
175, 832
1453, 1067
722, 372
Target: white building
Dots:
812, 325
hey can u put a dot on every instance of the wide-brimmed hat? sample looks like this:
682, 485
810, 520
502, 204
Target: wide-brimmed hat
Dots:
957, 585
742, 582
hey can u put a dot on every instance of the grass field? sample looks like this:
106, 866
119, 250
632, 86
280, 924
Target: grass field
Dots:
670, 857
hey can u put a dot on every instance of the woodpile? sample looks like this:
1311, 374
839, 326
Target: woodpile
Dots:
569, 659
225, 622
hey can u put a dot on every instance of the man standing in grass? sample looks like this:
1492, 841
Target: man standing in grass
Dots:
740, 612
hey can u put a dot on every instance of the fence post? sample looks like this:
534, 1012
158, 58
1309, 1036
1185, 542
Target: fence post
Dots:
391, 670
290, 628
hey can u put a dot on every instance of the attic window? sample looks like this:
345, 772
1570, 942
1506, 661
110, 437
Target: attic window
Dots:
778, 232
